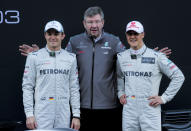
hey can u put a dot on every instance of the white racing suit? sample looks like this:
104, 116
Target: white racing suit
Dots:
50, 85
139, 78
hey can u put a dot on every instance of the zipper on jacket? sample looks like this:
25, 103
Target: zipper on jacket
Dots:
55, 96
93, 54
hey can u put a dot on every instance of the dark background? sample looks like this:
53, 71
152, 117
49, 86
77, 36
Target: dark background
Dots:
166, 23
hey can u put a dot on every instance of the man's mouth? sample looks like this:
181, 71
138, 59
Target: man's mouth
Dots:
52, 41
93, 30
133, 40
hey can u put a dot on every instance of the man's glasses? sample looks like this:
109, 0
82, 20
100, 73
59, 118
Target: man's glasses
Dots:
132, 33
92, 22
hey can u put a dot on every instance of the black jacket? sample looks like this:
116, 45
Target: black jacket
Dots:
97, 69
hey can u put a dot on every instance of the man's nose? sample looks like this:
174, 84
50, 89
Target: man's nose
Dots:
132, 36
94, 24
52, 36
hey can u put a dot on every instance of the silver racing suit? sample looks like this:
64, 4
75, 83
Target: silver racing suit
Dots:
139, 77
50, 85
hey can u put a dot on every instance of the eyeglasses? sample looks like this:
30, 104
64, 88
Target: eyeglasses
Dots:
92, 22
132, 33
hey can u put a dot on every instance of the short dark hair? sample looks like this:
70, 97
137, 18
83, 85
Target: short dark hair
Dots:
92, 11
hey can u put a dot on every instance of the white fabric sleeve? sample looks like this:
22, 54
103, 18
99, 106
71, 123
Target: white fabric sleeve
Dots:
74, 90
28, 85
120, 81
174, 73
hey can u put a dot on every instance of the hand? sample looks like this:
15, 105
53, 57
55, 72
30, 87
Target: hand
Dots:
123, 99
165, 50
31, 123
75, 123
26, 49
155, 101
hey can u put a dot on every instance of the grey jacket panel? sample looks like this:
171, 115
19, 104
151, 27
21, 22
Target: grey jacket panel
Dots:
141, 77
50, 83
96, 64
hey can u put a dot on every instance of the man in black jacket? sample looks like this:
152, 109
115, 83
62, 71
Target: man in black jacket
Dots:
96, 53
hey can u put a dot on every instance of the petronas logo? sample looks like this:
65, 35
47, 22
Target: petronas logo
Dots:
106, 44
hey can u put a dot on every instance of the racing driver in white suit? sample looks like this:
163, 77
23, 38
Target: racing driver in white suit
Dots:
139, 72
50, 84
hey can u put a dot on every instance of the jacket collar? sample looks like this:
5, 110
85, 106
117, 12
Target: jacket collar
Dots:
56, 52
96, 39
139, 51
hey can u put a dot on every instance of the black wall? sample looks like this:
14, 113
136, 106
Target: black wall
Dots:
166, 23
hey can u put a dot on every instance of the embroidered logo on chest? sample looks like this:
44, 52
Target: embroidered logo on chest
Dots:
149, 60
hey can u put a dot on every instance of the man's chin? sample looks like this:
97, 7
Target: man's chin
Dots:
134, 45
94, 35
54, 45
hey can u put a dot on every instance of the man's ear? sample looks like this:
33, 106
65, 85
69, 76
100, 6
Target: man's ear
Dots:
143, 34
103, 22
84, 23
44, 34
63, 36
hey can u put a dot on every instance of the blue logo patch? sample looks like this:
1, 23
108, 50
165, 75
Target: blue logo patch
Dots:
149, 60
106, 44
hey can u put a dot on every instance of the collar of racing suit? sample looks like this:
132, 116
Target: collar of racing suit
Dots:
56, 52
138, 52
